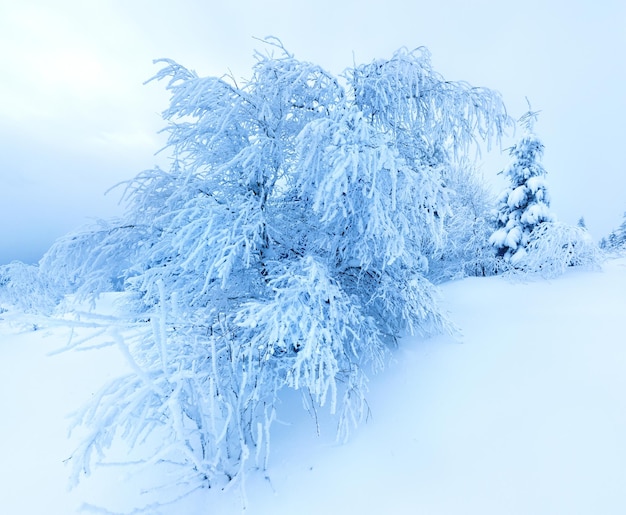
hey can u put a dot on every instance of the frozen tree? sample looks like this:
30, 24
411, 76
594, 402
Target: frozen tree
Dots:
528, 237
466, 250
617, 238
286, 247
525, 203
555, 246
21, 287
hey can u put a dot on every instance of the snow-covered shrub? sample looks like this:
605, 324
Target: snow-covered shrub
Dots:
92, 259
555, 246
466, 251
616, 241
286, 247
82, 263
23, 287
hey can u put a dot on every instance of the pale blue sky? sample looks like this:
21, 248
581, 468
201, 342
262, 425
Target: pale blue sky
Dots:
75, 118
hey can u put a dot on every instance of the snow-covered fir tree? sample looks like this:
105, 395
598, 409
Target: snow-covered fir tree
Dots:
617, 238
525, 203
286, 247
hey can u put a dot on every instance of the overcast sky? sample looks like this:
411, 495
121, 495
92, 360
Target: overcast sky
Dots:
75, 117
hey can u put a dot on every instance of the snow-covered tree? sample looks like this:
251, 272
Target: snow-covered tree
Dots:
21, 287
286, 247
617, 238
526, 202
466, 250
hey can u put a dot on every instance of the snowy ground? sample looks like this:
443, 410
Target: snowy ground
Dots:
524, 413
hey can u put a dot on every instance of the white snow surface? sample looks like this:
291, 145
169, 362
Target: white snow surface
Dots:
524, 412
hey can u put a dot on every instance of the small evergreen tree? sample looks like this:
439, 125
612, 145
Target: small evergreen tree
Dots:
617, 238
524, 205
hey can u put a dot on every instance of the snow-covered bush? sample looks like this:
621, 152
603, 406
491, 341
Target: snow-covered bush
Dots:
555, 246
286, 247
82, 263
23, 287
466, 251
525, 204
616, 241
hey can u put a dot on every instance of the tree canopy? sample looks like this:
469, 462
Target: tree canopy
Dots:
287, 246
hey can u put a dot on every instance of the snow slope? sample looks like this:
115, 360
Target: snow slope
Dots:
523, 413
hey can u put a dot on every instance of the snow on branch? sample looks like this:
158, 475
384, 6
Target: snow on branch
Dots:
287, 247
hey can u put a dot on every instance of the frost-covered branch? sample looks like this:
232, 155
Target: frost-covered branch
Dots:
287, 246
